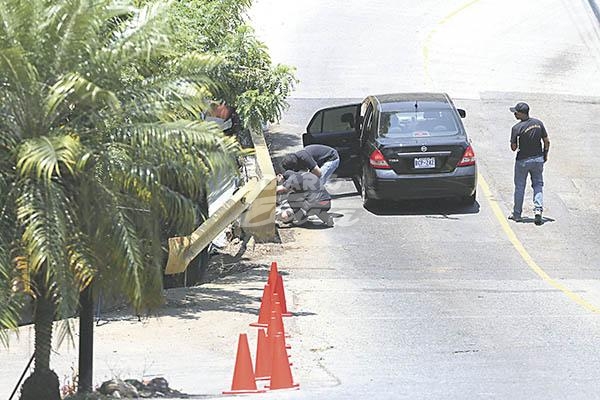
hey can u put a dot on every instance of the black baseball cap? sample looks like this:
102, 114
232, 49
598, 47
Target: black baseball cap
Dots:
520, 107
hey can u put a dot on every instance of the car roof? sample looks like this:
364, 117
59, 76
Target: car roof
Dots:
400, 101
417, 96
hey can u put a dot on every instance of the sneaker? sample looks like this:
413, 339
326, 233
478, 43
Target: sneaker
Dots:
516, 218
538, 218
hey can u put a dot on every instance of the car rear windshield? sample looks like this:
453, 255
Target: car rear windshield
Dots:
418, 123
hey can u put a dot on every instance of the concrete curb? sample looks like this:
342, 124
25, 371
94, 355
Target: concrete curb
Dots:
595, 9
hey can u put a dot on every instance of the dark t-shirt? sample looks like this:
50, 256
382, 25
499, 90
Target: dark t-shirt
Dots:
315, 154
527, 135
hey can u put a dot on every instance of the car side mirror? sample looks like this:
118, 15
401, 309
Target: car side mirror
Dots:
462, 113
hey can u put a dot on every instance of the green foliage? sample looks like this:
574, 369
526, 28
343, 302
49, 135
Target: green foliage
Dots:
101, 149
248, 80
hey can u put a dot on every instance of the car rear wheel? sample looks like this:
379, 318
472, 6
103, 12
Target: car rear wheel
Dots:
367, 202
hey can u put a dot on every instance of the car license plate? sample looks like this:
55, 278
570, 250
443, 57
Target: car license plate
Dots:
425, 162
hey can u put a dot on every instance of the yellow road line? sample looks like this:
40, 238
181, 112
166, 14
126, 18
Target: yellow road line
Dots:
457, 11
524, 254
488, 194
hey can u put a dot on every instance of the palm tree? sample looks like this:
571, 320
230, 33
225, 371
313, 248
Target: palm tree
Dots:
101, 152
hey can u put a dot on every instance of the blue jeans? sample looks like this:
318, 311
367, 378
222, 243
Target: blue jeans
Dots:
328, 169
533, 166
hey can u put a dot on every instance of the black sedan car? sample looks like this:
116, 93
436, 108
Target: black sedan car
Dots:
400, 146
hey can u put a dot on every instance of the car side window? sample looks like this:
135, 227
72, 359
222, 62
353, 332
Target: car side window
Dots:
316, 125
333, 120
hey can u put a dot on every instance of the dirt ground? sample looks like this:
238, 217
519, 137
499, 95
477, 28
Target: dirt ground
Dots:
240, 255
190, 340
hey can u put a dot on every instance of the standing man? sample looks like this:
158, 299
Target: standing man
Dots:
319, 159
530, 140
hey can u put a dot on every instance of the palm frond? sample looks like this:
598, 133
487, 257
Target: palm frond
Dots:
8, 144
74, 89
179, 211
183, 155
18, 21
11, 302
5, 183
128, 260
45, 212
72, 25
183, 100
178, 134
82, 260
140, 37
196, 67
32, 213
65, 331
11, 305
45, 157
7, 219
20, 96
18, 74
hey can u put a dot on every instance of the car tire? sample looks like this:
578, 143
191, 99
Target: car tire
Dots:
367, 202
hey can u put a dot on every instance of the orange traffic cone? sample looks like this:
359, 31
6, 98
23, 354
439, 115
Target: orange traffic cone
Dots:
243, 374
272, 280
264, 314
276, 323
279, 289
264, 357
281, 374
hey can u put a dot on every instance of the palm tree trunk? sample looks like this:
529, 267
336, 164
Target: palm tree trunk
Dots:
196, 272
43, 382
86, 341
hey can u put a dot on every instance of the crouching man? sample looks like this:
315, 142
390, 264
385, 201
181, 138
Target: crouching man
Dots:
300, 195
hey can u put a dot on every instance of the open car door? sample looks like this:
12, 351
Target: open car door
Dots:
337, 127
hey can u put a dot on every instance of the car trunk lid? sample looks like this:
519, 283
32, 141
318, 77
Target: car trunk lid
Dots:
422, 157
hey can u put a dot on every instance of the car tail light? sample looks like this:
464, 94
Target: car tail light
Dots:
377, 160
468, 158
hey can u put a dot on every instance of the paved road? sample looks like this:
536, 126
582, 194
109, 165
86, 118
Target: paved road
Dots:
432, 301
422, 300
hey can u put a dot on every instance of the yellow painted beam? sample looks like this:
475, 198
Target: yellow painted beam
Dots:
254, 202
259, 220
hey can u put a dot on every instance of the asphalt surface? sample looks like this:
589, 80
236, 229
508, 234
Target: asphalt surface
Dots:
421, 299
430, 300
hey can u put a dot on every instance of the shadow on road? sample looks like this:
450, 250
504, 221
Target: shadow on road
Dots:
529, 220
343, 195
443, 207
280, 144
